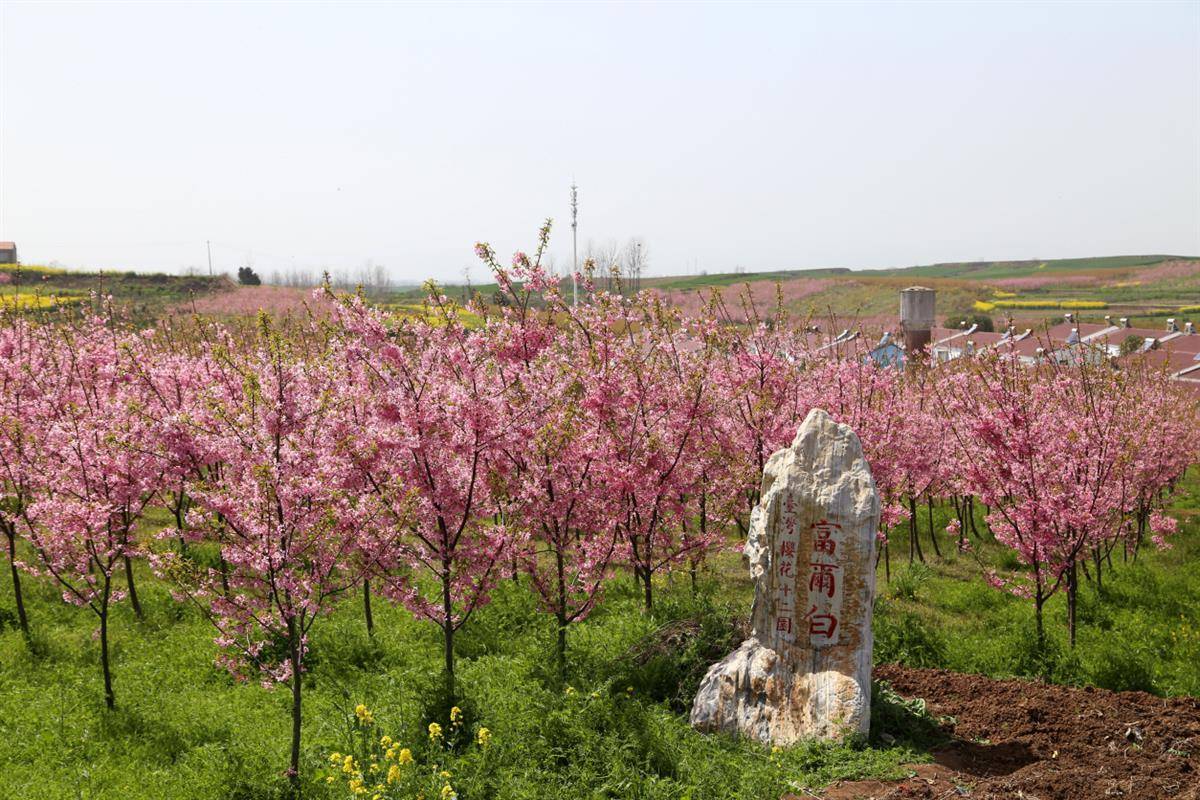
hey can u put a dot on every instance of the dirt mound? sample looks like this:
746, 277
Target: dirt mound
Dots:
1020, 739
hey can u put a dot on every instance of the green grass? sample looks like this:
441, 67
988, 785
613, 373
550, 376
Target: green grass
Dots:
994, 270
184, 729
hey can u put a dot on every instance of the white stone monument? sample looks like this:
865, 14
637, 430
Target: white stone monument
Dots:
805, 671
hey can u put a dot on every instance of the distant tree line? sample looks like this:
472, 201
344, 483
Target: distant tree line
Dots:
617, 266
372, 278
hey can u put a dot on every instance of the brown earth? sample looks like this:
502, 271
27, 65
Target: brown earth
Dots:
1032, 741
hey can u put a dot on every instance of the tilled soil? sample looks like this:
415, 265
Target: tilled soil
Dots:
1033, 741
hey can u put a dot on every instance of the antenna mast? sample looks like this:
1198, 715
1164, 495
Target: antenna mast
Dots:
574, 243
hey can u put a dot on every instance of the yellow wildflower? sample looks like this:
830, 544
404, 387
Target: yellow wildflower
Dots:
348, 765
393, 774
364, 714
435, 731
570, 690
335, 758
405, 756
443, 774
373, 768
629, 689
448, 793
329, 779
386, 741
483, 737
455, 716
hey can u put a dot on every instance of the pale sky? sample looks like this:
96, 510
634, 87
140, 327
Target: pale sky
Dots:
766, 136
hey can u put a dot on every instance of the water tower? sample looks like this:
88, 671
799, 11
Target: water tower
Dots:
917, 305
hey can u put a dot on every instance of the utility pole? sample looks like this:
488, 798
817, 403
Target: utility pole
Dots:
209, 246
574, 243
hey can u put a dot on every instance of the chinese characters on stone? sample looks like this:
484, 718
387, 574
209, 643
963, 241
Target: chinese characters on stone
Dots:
808, 586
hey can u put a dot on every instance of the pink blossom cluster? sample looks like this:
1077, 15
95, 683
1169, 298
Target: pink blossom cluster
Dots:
1169, 270
742, 301
244, 301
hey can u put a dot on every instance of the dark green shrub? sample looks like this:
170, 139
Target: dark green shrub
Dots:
907, 640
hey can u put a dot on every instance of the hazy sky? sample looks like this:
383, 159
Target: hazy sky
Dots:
762, 136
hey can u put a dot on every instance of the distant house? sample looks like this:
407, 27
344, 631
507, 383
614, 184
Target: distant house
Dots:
887, 353
8, 253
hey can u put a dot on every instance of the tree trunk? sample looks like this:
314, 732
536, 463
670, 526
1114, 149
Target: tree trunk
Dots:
133, 596
448, 631
1141, 532
932, 533
294, 764
648, 591
16, 580
1038, 602
562, 647
561, 613
180, 513
110, 699
1072, 598
914, 543
367, 607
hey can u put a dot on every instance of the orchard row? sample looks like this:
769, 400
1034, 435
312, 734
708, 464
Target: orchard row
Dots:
423, 458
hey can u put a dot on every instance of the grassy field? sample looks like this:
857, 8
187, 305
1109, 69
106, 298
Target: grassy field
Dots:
144, 295
184, 729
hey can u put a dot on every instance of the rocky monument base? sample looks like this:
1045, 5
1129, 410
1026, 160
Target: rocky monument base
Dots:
805, 671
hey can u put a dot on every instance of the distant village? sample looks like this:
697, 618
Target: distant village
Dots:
1175, 349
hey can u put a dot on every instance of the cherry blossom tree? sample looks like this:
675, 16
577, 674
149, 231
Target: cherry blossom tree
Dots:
433, 426
285, 508
657, 404
93, 474
20, 357
554, 493
758, 374
1042, 451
